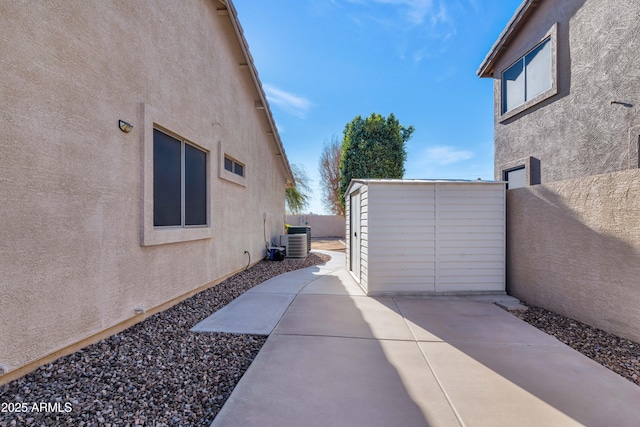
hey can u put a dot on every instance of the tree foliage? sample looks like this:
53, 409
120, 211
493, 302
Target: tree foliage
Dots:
330, 176
297, 198
373, 148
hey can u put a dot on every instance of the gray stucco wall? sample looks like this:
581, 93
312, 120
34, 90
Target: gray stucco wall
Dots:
71, 259
577, 132
573, 247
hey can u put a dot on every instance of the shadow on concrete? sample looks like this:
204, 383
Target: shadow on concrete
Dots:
500, 371
338, 359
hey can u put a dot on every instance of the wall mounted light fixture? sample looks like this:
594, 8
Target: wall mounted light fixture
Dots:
124, 126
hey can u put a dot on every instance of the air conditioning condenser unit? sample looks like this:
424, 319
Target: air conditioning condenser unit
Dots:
296, 245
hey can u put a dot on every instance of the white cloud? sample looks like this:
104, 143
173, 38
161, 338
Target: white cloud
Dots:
417, 27
417, 10
289, 102
445, 155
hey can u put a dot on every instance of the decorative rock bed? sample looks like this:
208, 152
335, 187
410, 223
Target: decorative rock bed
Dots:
155, 373
618, 354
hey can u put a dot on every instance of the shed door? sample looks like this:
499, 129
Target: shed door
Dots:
354, 248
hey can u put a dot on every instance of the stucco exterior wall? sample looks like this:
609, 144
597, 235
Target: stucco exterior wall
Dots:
579, 131
71, 183
574, 248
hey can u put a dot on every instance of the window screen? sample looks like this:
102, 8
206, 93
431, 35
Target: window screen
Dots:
513, 86
167, 181
528, 77
538, 63
195, 186
233, 166
228, 164
179, 182
516, 178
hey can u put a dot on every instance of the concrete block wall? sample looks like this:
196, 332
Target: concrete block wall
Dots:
573, 247
321, 225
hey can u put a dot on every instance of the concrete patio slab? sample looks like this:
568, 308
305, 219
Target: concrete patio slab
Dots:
483, 397
284, 284
494, 385
341, 359
337, 282
250, 313
344, 316
467, 321
329, 381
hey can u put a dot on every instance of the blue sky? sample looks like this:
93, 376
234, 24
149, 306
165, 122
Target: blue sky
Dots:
323, 62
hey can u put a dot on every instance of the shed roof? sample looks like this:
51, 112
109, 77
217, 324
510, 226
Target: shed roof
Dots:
418, 182
227, 7
518, 20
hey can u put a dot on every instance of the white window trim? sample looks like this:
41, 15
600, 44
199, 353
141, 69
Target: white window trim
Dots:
227, 151
149, 236
552, 34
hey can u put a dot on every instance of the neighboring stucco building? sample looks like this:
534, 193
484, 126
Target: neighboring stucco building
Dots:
567, 117
567, 90
101, 228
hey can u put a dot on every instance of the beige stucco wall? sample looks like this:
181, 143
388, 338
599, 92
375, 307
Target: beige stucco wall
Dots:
574, 247
321, 225
71, 183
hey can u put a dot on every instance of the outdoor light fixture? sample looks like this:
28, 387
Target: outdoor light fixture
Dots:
124, 126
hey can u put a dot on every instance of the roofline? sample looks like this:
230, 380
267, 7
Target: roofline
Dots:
233, 15
374, 181
517, 21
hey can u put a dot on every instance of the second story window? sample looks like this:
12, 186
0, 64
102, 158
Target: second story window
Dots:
528, 77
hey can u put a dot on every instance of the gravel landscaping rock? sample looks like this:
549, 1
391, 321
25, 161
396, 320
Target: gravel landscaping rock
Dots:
618, 354
156, 373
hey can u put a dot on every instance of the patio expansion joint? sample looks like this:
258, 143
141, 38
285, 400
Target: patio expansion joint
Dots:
441, 386
433, 372
343, 337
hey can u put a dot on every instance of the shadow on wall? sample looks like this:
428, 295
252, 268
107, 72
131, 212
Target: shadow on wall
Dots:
573, 247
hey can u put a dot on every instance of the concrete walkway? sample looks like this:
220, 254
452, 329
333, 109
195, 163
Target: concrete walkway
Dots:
335, 357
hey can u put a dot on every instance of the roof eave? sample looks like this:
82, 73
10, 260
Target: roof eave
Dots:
289, 179
517, 21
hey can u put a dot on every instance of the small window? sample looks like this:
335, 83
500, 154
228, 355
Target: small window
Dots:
179, 182
233, 166
529, 77
516, 177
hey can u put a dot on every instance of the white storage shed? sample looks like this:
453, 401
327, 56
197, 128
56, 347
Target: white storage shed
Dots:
426, 236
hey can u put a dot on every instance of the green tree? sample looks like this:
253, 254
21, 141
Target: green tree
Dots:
373, 148
297, 198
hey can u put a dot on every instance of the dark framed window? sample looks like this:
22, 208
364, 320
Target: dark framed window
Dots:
179, 182
233, 166
528, 77
516, 177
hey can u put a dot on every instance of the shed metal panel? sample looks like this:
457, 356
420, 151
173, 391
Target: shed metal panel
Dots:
424, 236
